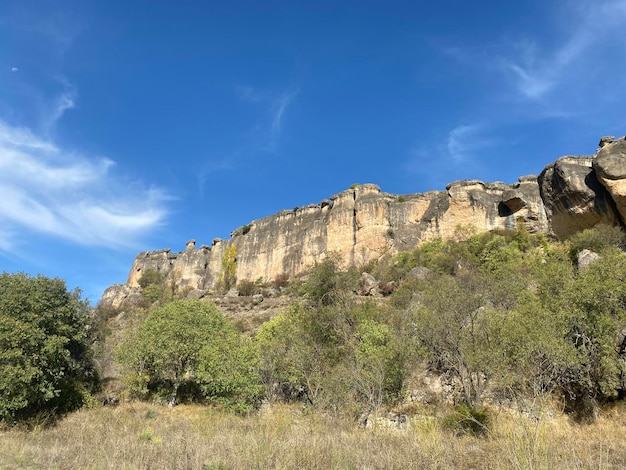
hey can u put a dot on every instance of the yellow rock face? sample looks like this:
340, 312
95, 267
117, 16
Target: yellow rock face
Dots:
362, 223
359, 224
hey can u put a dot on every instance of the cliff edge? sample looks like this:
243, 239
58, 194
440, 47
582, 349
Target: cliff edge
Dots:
364, 223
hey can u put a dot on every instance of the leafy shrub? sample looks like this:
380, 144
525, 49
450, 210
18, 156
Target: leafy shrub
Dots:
150, 277
247, 288
152, 283
228, 372
282, 280
45, 358
188, 345
468, 420
153, 292
341, 357
328, 284
597, 239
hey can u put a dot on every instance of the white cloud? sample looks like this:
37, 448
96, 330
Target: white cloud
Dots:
62, 103
49, 190
265, 133
278, 108
14, 69
247, 93
213, 166
465, 140
456, 155
539, 69
531, 84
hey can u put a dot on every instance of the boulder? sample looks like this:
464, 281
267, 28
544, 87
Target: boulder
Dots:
606, 140
368, 285
418, 273
257, 299
386, 420
272, 292
232, 293
573, 197
196, 293
388, 288
610, 168
120, 295
586, 257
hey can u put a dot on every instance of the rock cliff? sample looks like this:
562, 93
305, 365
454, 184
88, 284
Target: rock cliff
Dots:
363, 223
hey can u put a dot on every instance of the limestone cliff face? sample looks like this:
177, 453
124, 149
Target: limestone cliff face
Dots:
360, 224
363, 223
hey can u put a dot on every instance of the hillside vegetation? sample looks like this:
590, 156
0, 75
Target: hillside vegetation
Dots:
501, 335
498, 316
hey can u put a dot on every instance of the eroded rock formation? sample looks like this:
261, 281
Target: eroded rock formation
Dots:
360, 224
363, 223
574, 198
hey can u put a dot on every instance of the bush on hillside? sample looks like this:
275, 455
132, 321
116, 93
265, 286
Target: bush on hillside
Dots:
597, 239
189, 346
45, 358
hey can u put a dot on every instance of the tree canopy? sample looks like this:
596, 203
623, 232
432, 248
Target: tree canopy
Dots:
189, 343
45, 358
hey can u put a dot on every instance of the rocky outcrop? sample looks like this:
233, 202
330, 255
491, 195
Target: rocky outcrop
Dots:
574, 198
121, 295
363, 223
610, 168
585, 258
368, 285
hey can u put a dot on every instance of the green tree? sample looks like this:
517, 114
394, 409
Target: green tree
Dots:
596, 314
533, 352
45, 357
451, 324
150, 276
228, 277
341, 359
292, 355
165, 349
597, 239
152, 283
378, 370
228, 371
328, 284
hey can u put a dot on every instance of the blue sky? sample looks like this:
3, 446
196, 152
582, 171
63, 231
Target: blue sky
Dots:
137, 125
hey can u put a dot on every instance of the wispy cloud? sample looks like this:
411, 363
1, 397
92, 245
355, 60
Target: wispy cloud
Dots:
267, 132
278, 108
60, 105
213, 166
46, 189
264, 135
247, 93
457, 155
465, 140
538, 69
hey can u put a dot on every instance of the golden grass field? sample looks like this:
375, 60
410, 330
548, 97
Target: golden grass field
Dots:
146, 436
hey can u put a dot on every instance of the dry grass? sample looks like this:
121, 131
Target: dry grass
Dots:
142, 436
